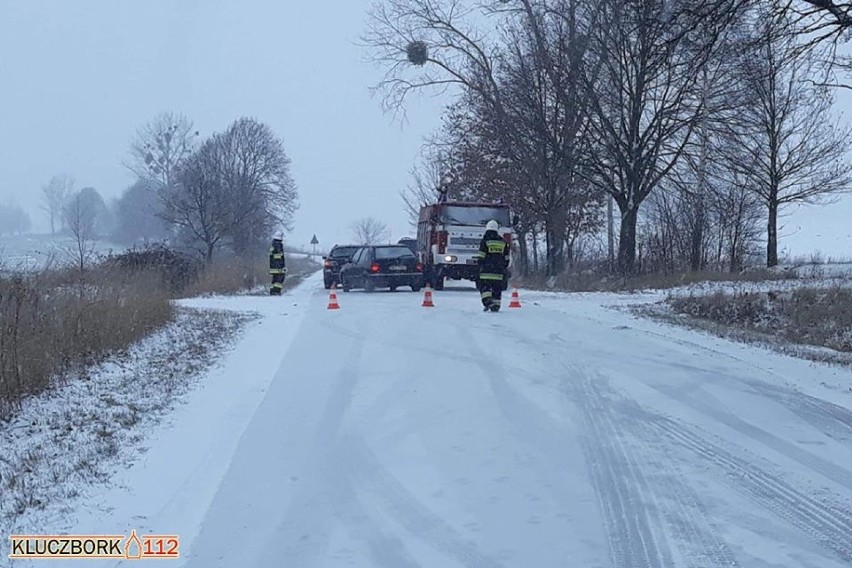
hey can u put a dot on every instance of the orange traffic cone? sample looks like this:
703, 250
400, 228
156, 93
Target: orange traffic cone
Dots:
332, 300
516, 301
427, 298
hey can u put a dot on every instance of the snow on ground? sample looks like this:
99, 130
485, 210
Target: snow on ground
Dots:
700, 288
565, 433
34, 251
63, 444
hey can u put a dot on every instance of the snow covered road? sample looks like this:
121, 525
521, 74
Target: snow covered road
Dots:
560, 434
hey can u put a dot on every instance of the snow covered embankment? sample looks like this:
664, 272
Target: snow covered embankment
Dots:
65, 442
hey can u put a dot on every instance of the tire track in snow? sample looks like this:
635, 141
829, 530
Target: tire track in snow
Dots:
622, 490
630, 531
530, 423
366, 472
700, 403
370, 475
684, 513
833, 420
323, 483
385, 550
634, 534
825, 522
421, 349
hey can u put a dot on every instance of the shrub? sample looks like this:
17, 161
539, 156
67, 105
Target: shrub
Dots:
178, 271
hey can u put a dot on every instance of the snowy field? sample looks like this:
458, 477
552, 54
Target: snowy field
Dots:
34, 252
564, 433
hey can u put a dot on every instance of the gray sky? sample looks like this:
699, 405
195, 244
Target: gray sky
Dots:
77, 77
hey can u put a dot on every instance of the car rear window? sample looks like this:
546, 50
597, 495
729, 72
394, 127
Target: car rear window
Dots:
343, 251
393, 252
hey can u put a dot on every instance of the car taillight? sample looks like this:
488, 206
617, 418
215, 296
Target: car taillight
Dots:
418, 267
375, 267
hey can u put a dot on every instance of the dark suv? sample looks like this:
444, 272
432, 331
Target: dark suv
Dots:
409, 242
382, 266
336, 258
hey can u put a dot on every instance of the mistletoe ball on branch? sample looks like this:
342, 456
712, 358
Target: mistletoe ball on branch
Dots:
418, 53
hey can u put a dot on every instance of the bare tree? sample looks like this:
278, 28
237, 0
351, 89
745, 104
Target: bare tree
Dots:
435, 44
261, 195
737, 218
196, 201
426, 177
646, 109
515, 131
817, 21
370, 231
54, 196
786, 135
80, 213
161, 147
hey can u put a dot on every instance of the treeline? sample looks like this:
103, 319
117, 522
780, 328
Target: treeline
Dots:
634, 135
230, 191
14, 220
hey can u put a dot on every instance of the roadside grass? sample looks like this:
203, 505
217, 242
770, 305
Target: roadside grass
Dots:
807, 322
820, 317
592, 280
249, 276
53, 323
111, 335
60, 443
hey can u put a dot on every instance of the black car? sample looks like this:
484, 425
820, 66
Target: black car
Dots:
336, 258
382, 266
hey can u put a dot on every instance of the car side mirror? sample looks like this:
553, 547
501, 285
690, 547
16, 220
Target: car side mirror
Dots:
515, 220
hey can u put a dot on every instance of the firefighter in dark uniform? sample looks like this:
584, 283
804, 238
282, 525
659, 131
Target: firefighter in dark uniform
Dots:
277, 266
493, 267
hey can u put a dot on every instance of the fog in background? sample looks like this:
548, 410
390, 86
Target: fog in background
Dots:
77, 78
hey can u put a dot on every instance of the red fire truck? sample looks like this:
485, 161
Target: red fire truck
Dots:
448, 237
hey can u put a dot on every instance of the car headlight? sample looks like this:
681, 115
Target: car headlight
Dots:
450, 258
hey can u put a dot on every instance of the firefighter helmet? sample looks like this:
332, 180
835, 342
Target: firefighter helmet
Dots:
492, 225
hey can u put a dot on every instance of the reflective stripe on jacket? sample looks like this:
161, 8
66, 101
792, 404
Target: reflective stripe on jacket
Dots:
493, 257
277, 263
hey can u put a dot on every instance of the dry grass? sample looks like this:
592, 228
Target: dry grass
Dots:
237, 275
53, 322
78, 434
57, 321
809, 316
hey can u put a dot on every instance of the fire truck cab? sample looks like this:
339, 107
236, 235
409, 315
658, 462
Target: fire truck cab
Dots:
448, 237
